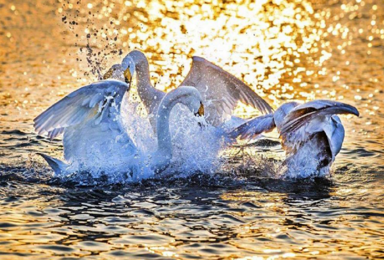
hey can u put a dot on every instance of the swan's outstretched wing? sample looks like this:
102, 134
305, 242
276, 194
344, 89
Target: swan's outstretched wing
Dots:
221, 91
254, 127
307, 112
94, 101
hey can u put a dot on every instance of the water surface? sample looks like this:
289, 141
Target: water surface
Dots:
284, 50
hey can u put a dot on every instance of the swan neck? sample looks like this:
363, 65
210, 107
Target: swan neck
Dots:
143, 82
143, 79
162, 126
163, 154
164, 150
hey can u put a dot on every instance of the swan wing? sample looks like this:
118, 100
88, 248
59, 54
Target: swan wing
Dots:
95, 101
221, 91
282, 112
335, 133
254, 127
305, 113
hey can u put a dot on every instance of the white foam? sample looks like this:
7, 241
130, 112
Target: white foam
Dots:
195, 148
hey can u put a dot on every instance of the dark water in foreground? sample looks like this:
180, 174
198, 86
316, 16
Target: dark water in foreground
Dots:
263, 218
284, 49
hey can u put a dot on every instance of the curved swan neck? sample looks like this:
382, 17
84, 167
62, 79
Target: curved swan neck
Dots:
143, 79
162, 125
163, 154
188, 96
145, 89
142, 69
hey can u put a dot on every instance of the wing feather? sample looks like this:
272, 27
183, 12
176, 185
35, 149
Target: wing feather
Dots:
305, 113
252, 128
83, 104
223, 89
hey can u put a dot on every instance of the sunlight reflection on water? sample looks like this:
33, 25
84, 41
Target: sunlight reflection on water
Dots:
284, 50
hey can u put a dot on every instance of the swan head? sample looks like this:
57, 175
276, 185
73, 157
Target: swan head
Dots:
191, 98
187, 96
135, 60
115, 72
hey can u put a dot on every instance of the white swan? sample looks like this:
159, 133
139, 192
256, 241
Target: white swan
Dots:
94, 137
312, 134
220, 90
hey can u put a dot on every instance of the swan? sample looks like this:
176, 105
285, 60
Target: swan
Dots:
311, 133
95, 139
220, 90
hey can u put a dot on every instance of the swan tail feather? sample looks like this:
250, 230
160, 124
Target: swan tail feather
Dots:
57, 165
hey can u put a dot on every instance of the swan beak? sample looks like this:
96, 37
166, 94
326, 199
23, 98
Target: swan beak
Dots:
128, 76
347, 109
200, 112
129, 67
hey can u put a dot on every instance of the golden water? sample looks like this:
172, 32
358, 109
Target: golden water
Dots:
283, 49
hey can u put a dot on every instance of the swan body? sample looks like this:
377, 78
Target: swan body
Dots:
95, 139
312, 134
